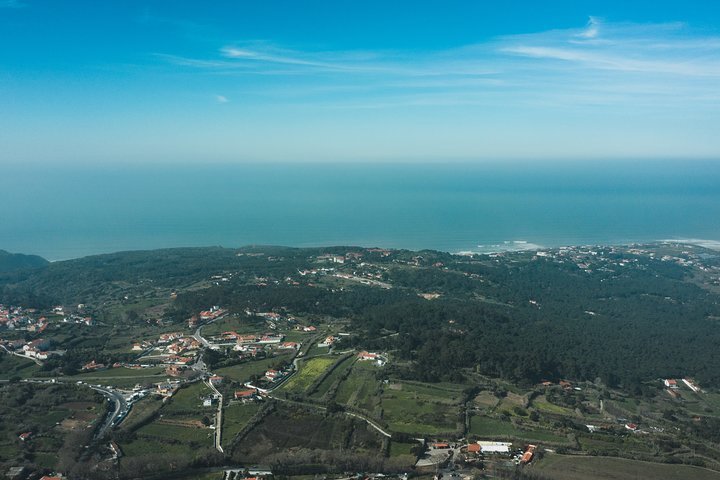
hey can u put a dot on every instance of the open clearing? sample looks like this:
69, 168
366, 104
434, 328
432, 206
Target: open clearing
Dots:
309, 371
243, 371
562, 467
235, 417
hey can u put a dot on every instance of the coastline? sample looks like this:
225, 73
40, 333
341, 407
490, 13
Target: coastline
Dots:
507, 246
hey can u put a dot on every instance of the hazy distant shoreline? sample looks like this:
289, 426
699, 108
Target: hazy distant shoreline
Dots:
504, 247
78, 212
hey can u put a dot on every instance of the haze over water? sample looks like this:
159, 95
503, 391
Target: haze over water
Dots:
63, 213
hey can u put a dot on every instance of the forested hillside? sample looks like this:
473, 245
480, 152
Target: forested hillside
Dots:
621, 315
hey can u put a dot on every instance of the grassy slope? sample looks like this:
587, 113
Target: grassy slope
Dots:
605, 468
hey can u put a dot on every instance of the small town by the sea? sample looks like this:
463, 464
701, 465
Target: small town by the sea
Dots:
275, 361
359, 240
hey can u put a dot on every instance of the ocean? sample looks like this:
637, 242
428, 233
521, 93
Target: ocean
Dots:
67, 212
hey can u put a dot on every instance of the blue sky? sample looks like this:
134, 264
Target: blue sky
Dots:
171, 81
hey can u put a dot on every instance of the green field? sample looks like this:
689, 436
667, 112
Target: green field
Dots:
141, 410
290, 428
544, 406
309, 371
155, 446
606, 468
493, 428
360, 388
333, 377
243, 371
233, 324
12, 366
203, 476
164, 432
486, 400
235, 417
399, 448
315, 351
187, 402
412, 407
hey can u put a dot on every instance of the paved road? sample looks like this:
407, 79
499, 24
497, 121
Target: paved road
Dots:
370, 422
218, 418
121, 408
198, 333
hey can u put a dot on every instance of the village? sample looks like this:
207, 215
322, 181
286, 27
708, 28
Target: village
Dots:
231, 380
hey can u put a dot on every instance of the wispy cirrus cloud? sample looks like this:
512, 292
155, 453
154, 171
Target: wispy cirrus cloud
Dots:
646, 64
652, 49
12, 4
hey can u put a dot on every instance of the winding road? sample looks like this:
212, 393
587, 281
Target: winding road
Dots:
121, 409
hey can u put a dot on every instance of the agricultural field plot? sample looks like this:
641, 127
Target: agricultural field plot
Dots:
204, 476
187, 403
14, 366
316, 351
144, 445
141, 411
309, 371
543, 405
510, 403
398, 449
411, 407
177, 426
449, 393
194, 436
289, 428
496, 429
242, 372
241, 325
606, 468
296, 335
621, 407
485, 401
361, 388
703, 404
174, 431
333, 377
235, 417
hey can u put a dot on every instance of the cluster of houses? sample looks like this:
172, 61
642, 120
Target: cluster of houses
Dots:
251, 344
29, 319
376, 358
167, 389
17, 318
564, 384
172, 344
37, 349
332, 258
211, 314
253, 393
270, 378
672, 386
